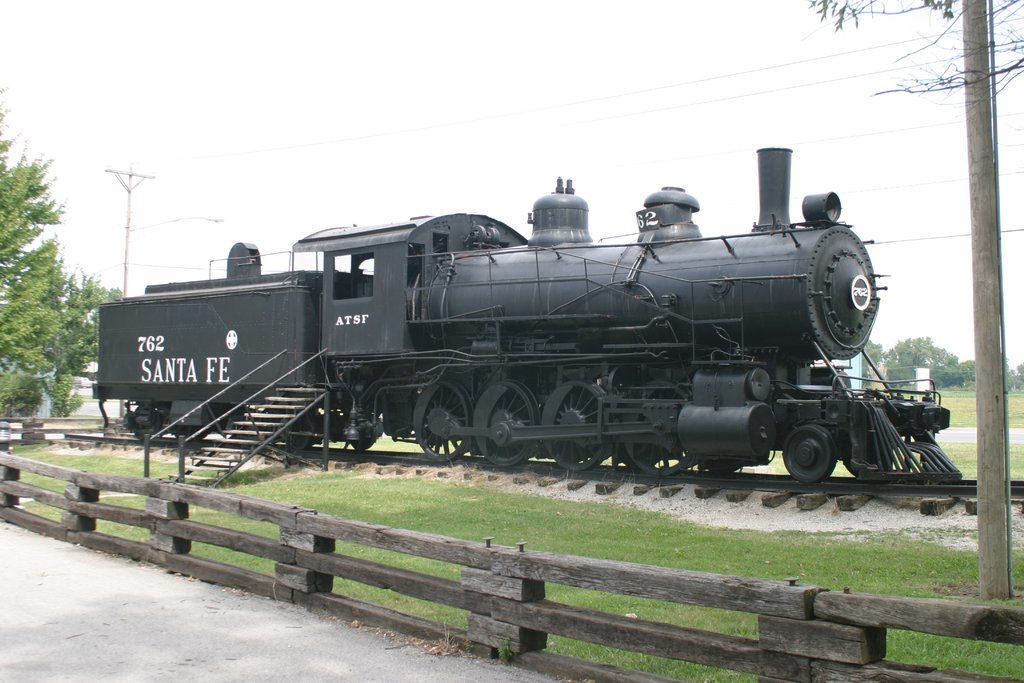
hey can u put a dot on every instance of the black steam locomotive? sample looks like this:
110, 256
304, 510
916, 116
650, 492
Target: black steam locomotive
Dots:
673, 351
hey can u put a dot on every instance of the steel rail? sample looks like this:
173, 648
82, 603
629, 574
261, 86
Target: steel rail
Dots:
746, 481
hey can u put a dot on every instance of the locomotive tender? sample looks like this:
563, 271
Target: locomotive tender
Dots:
672, 351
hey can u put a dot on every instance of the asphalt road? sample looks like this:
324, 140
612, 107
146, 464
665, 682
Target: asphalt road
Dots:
970, 435
71, 614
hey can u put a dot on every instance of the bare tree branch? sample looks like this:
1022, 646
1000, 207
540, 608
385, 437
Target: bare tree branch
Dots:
1008, 49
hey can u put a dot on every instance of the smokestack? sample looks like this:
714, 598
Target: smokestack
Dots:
773, 164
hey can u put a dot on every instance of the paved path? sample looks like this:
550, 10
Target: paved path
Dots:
74, 614
970, 435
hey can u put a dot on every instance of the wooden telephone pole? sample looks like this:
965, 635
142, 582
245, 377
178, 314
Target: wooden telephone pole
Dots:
994, 539
129, 181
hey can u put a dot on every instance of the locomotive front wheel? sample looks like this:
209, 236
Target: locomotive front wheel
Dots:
810, 453
440, 409
576, 403
506, 404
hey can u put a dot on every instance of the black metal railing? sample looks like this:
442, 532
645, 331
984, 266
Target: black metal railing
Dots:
182, 440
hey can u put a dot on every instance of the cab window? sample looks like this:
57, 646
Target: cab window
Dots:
353, 276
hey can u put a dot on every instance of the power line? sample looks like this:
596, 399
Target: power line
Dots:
165, 267
730, 98
931, 182
801, 143
937, 237
592, 100
146, 265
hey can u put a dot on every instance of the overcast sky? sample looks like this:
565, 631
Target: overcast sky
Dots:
286, 118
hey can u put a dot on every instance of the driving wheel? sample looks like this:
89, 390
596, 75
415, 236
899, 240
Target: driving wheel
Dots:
440, 409
504, 405
575, 403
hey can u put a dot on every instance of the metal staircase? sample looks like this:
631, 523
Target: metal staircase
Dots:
267, 427
271, 422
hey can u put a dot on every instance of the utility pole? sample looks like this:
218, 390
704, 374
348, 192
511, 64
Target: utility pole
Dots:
129, 181
994, 539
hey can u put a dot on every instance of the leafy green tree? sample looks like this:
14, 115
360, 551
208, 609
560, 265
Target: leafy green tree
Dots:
875, 352
47, 316
1017, 378
967, 373
73, 343
921, 352
29, 270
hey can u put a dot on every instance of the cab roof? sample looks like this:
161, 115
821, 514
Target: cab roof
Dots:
415, 229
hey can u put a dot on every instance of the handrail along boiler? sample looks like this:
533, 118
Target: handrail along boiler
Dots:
672, 351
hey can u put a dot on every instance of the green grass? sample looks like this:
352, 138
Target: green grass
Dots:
965, 457
964, 411
879, 563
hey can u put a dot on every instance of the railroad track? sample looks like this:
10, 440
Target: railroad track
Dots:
838, 486
171, 445
743, 481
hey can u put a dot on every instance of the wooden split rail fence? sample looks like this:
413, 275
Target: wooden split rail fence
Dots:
33, 430
806, 633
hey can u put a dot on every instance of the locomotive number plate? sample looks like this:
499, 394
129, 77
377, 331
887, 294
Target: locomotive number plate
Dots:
160, 369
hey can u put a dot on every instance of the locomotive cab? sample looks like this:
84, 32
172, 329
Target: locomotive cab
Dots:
373, 276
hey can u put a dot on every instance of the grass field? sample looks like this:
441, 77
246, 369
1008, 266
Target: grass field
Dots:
964, 412
965, 456
882, 563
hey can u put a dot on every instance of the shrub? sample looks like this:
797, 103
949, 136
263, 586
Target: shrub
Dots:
20, 394
62, 394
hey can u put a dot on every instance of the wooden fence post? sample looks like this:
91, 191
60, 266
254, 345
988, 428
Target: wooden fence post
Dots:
499, 636
295, 582
32, 432
75, 522
9, 474
162, 510
818, 639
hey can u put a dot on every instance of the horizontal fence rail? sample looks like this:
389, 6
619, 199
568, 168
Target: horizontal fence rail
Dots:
805, 633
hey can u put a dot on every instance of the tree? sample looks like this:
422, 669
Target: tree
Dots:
875, 352
28, 266
921, 352
968, 372
1009, 42
47, 319
73, 343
